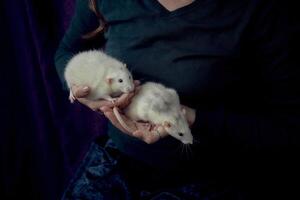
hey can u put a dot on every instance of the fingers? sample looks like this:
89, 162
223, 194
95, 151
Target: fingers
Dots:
161, 130
146, 136
124, 100
95, 105
137, 86
155, 133
80, 91
105, 109
147, 132
136, 83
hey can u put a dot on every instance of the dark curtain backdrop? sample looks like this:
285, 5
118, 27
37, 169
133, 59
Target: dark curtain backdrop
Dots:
43, 136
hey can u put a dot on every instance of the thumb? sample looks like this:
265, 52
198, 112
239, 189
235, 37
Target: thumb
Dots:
80, 91
136, 83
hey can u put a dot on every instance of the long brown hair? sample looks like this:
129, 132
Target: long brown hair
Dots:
102, 22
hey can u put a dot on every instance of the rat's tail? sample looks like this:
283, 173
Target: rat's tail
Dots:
121, 121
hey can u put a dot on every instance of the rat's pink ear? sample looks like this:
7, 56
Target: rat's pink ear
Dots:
109, 81
183, 110
167, 124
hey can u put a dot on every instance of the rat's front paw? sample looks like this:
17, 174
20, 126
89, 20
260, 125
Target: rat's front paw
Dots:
71, 97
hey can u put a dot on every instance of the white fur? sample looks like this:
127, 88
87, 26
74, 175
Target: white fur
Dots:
93, 68
158, 104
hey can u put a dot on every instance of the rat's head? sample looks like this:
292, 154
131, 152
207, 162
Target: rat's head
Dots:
178, 128
121, 80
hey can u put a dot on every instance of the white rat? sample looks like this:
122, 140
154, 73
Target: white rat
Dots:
105, 76
158, 104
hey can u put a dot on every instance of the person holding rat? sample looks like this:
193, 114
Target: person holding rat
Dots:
228, 61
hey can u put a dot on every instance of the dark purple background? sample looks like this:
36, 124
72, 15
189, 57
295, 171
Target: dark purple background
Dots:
43, 136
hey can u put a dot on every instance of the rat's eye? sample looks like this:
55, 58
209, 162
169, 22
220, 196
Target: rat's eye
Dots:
120, 80
180, 134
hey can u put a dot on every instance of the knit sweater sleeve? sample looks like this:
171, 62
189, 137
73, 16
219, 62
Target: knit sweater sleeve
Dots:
83, 21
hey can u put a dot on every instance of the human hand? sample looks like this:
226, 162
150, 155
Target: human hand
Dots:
80, 92
147, 132
156, 132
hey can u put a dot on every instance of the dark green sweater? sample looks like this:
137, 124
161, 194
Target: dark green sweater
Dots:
226, 59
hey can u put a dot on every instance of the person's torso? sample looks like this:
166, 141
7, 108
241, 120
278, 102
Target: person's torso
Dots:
194, 49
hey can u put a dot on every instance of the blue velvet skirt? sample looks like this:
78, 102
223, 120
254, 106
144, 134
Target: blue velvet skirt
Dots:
106, 174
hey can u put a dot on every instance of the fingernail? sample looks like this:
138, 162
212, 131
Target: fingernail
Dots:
85, 88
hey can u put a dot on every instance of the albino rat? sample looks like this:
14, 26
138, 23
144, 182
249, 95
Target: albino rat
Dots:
105, 76
158, 104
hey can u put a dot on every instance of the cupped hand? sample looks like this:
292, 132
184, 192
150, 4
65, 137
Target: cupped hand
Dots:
80, 93
147, 132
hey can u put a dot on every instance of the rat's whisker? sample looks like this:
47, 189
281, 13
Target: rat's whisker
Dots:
178, 147
196, 141
191, 151
186, 151
182, 150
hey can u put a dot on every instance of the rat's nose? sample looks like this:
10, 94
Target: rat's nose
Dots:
187, 142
